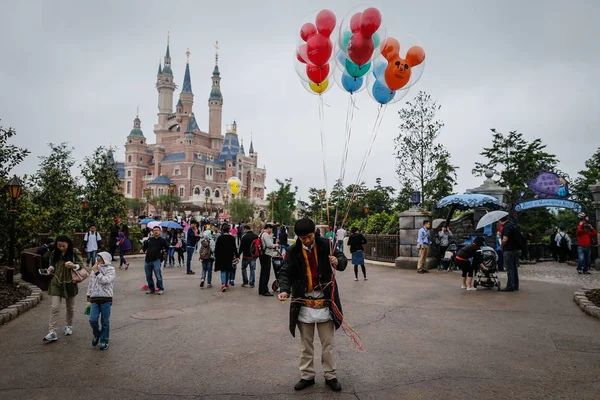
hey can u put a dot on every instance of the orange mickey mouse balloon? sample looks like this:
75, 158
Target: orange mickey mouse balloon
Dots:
398, 70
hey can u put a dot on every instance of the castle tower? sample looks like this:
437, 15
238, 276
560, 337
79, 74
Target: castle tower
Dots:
215, 106
136, 160
165, 86
187, 96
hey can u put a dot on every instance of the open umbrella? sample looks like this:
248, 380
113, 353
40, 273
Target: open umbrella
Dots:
146, 221
171, 224
437, 222
491, 217
468, 201
152, 224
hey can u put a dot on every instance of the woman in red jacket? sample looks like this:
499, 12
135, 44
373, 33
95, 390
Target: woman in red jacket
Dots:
585, 233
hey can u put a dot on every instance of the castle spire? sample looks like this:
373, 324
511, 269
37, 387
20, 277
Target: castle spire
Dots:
251, 145
187, 80
159, 67
167, 68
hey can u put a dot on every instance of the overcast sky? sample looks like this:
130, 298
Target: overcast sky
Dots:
76, 71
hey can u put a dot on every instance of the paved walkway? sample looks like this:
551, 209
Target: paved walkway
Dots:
424, 339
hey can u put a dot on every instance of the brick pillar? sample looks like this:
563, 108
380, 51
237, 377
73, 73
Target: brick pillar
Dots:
410, 222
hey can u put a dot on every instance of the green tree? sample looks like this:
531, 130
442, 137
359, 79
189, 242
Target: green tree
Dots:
380, 198
164, 202
581, 186
56, 193
316, 206
420, 158
241, 209
103, 189
282, 202
11, 156
137, 206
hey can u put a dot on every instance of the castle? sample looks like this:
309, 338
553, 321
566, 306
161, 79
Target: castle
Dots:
197, 163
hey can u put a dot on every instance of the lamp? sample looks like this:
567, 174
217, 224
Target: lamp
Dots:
415, 198
14, 190
85, 204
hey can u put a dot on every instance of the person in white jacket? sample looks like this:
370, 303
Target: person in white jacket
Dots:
100, 294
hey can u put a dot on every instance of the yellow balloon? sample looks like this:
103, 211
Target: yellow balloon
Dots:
234, 184
319, 87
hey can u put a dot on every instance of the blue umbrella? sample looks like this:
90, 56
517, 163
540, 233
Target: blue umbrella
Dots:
146, 221
170, 224
468, 201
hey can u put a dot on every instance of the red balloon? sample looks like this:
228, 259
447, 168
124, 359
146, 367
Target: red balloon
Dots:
325, 23
360, 49
319, 49
301, 54
355, 22
370, 21
317, 74
307, 31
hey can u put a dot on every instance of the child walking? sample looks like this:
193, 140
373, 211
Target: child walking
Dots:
100, 294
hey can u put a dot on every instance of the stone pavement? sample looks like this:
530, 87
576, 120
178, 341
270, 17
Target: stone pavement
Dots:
424, 339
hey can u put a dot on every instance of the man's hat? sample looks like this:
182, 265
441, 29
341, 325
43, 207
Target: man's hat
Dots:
117, 219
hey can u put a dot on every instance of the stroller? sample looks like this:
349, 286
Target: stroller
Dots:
277, 264
448, 259
487, 276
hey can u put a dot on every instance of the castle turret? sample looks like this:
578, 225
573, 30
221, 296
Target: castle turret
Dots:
136, 159
165, 86
187, 96
215, 106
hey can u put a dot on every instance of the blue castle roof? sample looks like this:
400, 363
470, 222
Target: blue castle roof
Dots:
231, 147
161, 180
187, 80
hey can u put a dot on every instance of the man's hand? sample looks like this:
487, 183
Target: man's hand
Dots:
282, 296
95, 268
333, 261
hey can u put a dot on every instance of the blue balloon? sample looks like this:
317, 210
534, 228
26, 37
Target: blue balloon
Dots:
381, 93
379, 70
351, 84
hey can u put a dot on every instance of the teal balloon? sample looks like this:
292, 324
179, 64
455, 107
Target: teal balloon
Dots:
356, 71
345, 40
376, 41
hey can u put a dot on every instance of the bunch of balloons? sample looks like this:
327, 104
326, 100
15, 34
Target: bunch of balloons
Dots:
365, 57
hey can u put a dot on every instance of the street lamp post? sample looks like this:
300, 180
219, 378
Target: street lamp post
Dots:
273, 200
14, 189
225, 201
322, 194
85, 205
366, 209
171, 195
147, 192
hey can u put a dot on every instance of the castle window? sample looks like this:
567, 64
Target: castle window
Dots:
128, 173
177, 171
181, 191
130, 141
196, 191
141, 159
129, 159
128, 187
161, 191
207, 192
217, 193
141, 142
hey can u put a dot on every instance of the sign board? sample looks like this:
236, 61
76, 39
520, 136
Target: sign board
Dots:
560, 203
549, 185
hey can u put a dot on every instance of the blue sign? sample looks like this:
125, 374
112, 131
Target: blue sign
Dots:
526, 205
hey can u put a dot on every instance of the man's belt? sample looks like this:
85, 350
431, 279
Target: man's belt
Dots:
315, 303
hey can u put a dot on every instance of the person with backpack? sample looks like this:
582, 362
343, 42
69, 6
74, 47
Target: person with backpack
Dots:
563, 244
267, 250
511, 245
247, 245
193, 236
585, 235
91, 244
207, 256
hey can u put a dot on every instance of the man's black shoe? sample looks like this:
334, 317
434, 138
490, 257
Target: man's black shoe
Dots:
303, 384
586, 272
426, 271
334, 384
507, 290
420, 271
268, 294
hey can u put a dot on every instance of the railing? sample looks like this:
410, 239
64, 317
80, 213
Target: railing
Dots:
543, 251
381, 247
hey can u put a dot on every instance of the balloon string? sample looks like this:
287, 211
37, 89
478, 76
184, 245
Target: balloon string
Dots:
322, 128
374, 133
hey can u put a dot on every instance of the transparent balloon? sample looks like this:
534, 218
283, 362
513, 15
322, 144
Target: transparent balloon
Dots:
311, 72
383, 94
317, 34
403, 68
234, 184
348, 83
317, 88
361, 32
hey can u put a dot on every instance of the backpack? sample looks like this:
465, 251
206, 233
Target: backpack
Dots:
204, 249
564, 243
256, 248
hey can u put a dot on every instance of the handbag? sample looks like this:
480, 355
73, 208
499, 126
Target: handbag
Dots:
80, 275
